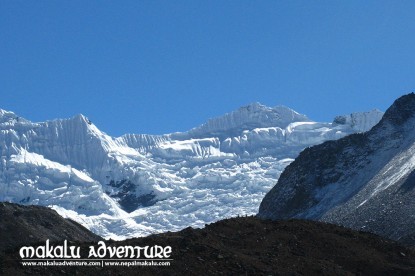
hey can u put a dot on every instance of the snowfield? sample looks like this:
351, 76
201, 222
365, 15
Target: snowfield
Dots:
139, 184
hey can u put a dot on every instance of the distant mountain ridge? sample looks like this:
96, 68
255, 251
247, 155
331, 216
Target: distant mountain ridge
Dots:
363, 181
139, 184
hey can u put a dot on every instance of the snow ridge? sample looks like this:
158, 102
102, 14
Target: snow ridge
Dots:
139, 184
248, 117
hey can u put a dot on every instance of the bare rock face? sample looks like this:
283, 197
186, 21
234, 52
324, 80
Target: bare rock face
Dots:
248, 245
364, 181
25, 225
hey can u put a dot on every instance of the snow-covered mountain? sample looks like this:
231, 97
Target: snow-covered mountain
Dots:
363, 181
139, 184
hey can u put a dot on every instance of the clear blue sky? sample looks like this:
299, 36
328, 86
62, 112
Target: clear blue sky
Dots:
164, 66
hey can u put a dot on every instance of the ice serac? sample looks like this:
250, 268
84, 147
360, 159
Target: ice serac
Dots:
363, 181
43, 162
139, 184
360, 121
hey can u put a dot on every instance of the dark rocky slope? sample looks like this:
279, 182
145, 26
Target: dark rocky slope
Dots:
362, 181
251, 246
24, 225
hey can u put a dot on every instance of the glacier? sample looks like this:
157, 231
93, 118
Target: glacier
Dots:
139, 184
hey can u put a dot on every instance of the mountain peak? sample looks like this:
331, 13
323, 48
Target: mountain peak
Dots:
258, 107
254, 107
10, 117
254, 115
256, 104
82, 119
401, 110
